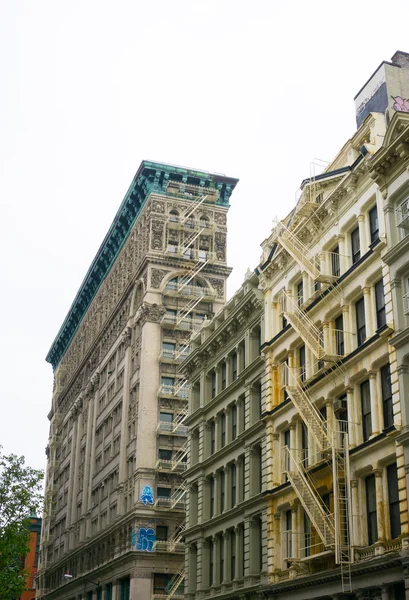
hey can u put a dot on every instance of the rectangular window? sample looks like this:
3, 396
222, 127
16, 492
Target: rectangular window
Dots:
222, 490
234, 422
161, 533
300, 293
366, 410
335, 262
221, 542
212, 437
223, 429
339, 335
167, 384
393, 497
371, 509
166, 417
373, 224
211, 560
307, 535
355, 246
234, 366
232, 555
108, 591
233, 485
213, 384
387, 396
224, 376
168, 349
301, 359
165, 454
163, 492
380, 304
360, 321
304, 444
211, 496
161, 582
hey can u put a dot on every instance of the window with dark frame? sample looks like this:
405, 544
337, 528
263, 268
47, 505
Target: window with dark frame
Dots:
307, 535
360, 321
213, 384
304, 444
212, 437
223, 429
374, 224
371, 509
387, 404
221, 547
234, 366
162, 533
211, 482
335, 265
393, 497
288, 528
211, 559
301, 359
234, 422
233, 485
355, 245
224, 376
339, 335
300, 293
380, 304
232, 555
222, 490
366, 410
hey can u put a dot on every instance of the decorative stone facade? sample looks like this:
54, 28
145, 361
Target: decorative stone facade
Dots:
111, 473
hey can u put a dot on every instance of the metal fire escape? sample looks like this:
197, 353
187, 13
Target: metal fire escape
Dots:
332, 442
196, 294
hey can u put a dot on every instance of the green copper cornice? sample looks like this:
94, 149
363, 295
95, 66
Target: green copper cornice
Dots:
151, 177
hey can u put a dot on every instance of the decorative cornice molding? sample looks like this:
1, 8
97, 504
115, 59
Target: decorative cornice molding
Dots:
150, 178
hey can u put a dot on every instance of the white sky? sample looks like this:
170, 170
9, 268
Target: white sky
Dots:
89, 88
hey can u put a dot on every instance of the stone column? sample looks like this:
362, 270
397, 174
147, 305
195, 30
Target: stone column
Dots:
380, 518
294, 525
241, 417
355, 516
217, 575
343, 260
363, 240
202, 394
277, 467
126, 339
369, 328
227, 487
374, 403
217, 493
115, 590
385, 592
76, 453
326, 337
239, 553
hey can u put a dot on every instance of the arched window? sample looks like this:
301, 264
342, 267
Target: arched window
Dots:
174, 216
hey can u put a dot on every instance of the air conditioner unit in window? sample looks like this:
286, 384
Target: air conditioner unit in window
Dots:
340, 405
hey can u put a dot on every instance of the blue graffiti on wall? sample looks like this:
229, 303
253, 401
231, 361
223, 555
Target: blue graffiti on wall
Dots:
147, 495
143, 539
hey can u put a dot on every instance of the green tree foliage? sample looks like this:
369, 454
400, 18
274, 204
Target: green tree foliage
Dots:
20, 495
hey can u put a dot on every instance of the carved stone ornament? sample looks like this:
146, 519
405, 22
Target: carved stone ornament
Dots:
218, 285
126, 337
150, 312
157, 229
220, 245
156, 277
158, 206
220, 218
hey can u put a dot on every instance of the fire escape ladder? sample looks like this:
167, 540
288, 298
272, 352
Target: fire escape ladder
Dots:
175, 583
319, 515
302, 323
177, 537
193, 208
180, 456
305, 406
182, 352
190, 240
178, 496
191, 274
342, 503
186, 310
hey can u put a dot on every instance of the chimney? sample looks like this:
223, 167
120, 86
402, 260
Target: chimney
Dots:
387, 90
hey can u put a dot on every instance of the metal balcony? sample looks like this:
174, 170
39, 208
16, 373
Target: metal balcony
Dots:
174, 391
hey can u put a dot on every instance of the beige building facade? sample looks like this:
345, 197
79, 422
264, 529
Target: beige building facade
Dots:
323, 511
117, 447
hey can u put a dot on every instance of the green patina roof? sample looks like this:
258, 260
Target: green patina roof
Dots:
150, 177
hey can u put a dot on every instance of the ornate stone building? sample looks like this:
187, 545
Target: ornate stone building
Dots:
299, 452
117, 444
336, 355
226, 520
